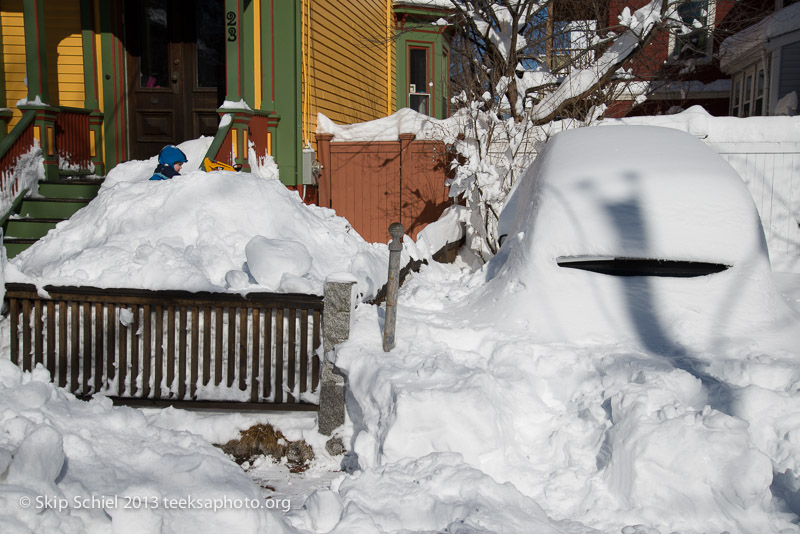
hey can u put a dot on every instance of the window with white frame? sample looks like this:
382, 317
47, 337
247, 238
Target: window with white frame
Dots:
749, 91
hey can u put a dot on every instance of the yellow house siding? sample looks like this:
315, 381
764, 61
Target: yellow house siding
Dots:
64, 53
13, 55
346, 49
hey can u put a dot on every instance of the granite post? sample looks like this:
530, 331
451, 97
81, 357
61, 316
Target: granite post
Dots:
337, 318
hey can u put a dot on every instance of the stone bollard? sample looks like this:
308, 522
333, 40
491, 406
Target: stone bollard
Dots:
395, 247
337, 317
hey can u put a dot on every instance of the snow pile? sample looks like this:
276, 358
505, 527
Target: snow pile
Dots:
659, 406
69, 466
219, 231
628, 198
473, 420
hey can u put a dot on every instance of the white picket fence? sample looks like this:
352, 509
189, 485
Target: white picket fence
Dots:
772, 173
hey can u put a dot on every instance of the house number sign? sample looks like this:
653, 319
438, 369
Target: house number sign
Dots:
231, 18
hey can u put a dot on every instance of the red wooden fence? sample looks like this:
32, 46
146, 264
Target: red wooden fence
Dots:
373, 184
72, 138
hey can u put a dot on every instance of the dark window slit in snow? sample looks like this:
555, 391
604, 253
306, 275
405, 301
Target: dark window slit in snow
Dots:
641, 266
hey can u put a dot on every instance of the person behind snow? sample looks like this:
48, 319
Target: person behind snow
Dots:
170, 161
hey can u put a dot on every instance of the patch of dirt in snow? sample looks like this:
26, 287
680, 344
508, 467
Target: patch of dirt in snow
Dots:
263, 439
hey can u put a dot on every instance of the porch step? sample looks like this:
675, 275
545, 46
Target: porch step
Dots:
15, 245
70, 189
30, 228
37, 216
46, 208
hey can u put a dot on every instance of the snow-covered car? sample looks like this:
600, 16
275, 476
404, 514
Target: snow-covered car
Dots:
637, 232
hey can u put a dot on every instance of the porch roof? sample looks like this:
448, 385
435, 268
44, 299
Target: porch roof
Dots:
755, 37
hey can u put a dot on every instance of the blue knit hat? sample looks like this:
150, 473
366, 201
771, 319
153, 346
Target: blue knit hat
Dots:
171, 155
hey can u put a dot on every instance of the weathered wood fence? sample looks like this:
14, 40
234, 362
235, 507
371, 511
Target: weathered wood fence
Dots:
375, 183
171, 345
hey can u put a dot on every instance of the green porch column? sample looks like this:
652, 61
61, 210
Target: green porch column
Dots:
90, 88
288, 90
267, 52
114, 131
239, 82
44, 125
44, 131
35, 50
234, 50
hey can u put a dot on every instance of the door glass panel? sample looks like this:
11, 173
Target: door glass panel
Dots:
419, 103
418, 70
210, 32
154, 65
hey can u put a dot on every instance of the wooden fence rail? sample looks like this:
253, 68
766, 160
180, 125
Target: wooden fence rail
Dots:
171, 345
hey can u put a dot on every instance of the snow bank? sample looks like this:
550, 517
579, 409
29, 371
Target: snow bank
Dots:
220, 231
652, 405
68, 466
473, 420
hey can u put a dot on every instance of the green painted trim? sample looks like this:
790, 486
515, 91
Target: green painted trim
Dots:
435, 43
267, 101
233, 75
112, 108
247, 48
433, 11
288, 145
35, 53
89, 68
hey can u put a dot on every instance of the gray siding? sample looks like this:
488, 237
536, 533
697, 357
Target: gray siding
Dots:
789, 70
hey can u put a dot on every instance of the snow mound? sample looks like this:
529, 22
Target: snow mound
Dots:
70, 466
606, 435
192, 233
630, 197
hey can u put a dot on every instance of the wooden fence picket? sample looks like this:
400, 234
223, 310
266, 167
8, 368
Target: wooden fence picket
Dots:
164, 346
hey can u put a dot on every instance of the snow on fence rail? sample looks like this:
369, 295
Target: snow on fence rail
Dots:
171, 345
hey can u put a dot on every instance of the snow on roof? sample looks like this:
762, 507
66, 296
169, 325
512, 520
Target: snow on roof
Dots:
439, 4
219, 231
779, 23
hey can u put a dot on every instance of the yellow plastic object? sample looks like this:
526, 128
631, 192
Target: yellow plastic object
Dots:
214, 165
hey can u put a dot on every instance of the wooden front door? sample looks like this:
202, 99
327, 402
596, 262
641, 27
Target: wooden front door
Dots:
176, 71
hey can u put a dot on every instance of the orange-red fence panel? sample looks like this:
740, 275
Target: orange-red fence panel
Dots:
373, 184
